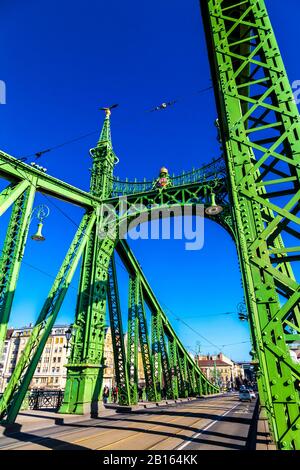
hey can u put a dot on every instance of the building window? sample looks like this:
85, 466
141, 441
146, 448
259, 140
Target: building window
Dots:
53, 369
36, 381
55, 350
46, 359
60, 350
56, 340
61, 340
54, 359
58, 359
56, 380
57, 369
38, 370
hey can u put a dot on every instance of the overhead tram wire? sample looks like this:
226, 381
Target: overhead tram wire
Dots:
40, 153
197, 332
76, 139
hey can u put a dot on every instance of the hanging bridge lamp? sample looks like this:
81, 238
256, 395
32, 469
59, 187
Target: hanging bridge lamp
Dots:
242, 311
213, 209
68, 335
42, 213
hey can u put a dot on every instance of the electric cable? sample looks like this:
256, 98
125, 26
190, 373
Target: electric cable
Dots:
40, 153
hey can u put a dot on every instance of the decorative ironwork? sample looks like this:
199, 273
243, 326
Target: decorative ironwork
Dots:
45, 399
211, 171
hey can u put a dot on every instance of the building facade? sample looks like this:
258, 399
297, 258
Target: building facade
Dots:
221, 370
51, 372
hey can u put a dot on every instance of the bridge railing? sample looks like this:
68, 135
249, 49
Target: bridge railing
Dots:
44, 399
207, 172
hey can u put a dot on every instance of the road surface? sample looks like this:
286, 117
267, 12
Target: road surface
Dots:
217, 423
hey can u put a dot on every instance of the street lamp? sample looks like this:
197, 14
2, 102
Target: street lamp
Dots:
42, 213
213, 209
242, 311
68, 335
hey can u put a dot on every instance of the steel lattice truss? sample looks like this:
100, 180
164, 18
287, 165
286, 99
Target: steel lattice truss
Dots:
257, 183
260, 130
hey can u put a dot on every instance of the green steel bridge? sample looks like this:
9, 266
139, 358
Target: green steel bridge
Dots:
256, 181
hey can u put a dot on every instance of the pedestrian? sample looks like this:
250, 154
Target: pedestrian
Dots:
105, 394
115, 394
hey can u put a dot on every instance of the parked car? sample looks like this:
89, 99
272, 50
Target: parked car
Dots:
245, 395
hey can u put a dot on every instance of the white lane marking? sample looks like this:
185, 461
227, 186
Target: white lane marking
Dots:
207, 427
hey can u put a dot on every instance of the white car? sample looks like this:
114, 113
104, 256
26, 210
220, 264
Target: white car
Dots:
244, 395
252, 393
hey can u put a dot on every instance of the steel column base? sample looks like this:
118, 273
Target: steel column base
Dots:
83, 390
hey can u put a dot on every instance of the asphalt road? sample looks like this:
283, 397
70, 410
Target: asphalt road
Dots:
217, 423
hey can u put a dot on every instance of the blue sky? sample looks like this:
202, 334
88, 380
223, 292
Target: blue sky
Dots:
61, 61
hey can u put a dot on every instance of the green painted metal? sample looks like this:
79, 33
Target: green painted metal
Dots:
260, 130
12, 253
86, 362
121, 369
202, 175
10, 194
144, 345
16, 389
173, 366
182, 388
166, 367
164, 326
156, 354
16, 171
183, 364
138, 340
133, 339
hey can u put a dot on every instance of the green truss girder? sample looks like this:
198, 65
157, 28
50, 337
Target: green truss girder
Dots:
166, 367
121, 370
174, 367
163, 326
86, 361
16, 389
138, 339
13, 249
133, 339
144, 345
260, 130
156, 354
10, 194
16, 171
136, 208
